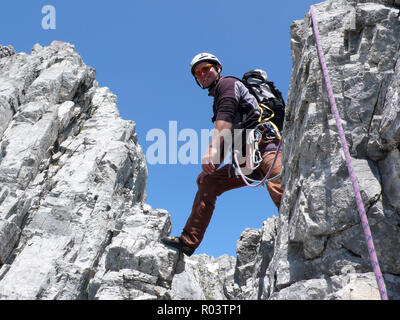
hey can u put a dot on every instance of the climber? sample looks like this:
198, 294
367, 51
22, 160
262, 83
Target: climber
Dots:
234, 108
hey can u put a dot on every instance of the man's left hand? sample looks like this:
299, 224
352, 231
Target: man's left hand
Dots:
207, 164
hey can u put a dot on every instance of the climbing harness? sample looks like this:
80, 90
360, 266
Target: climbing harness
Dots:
265, 131
262, 132
360, 205
266, 179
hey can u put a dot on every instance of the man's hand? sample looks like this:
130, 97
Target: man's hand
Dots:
216, 151
207, 162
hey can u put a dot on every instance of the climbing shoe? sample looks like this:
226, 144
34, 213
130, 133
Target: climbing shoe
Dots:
176, 242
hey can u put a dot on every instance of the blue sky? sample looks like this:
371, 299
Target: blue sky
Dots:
141, 50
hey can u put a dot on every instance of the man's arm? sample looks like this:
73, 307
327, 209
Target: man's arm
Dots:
226, 108
216, 152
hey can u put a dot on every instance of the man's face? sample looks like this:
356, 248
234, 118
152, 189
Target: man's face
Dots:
206, 73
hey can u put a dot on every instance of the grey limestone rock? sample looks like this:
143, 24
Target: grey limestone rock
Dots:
320, 239
73, 218
6, 51
202, 277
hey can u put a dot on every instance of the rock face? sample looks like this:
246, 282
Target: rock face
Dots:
73, 222
73, 219
203, 278
319, 251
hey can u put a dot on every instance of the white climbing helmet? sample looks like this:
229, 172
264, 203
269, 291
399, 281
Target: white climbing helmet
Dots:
204, 56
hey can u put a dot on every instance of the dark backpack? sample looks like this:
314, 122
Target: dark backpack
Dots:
267, 95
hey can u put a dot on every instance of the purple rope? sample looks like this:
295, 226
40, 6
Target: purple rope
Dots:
360, 205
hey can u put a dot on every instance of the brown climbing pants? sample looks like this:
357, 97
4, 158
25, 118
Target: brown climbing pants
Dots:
216, 184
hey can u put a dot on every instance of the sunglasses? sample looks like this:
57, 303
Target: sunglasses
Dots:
205, 69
